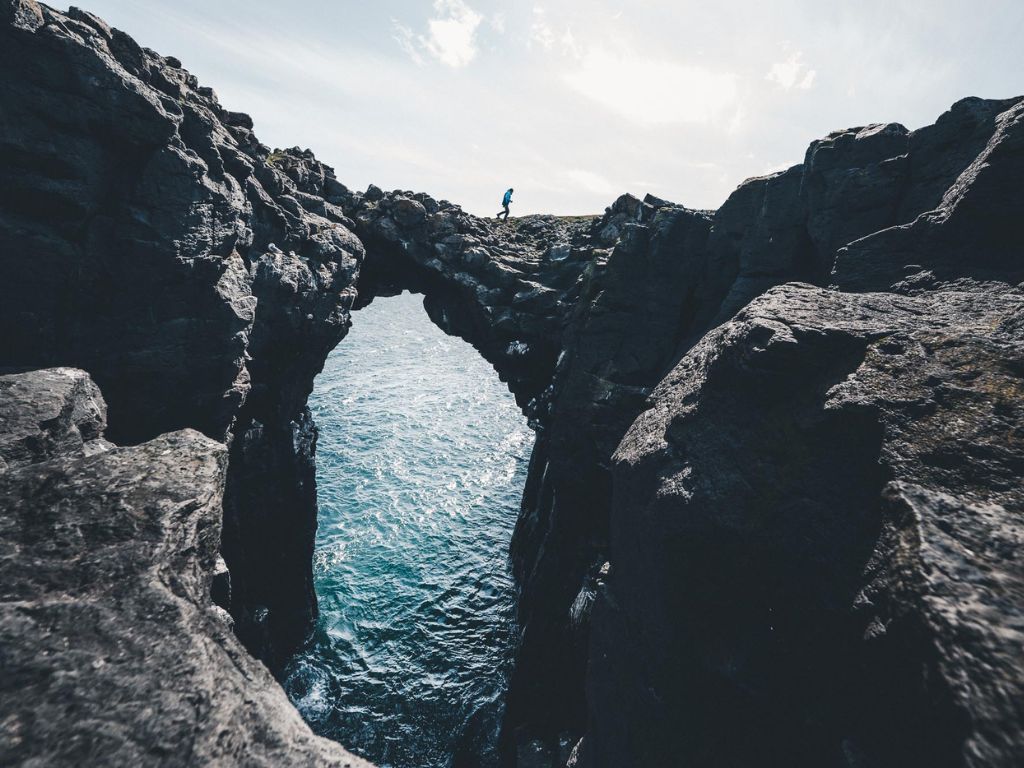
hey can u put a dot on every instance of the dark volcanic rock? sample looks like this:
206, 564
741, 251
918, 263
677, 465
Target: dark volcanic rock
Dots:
112, 650
670, 280
55, 412
815, 542
973, 231
619, 340
147, 237
118, 234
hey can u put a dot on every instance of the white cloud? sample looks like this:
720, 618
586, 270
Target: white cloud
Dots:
541, 32
498, 22
653, 92
544, 35
407, 40
569, 47
792, 73
451, 34
737, 122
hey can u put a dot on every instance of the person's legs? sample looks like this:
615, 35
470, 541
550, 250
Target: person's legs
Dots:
504, 210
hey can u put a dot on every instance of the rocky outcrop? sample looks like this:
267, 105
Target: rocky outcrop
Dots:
623, 329
147, 237
49, 413
675, 274
855, 215
113, 652
815, 541
971, 233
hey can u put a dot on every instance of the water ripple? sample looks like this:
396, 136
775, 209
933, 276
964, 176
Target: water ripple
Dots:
421, 462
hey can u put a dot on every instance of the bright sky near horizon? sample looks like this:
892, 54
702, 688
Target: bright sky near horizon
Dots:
573, 102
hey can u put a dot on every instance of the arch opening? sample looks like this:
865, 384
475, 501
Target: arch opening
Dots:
421, 461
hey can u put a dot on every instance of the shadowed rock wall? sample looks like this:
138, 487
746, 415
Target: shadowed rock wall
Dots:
148, 237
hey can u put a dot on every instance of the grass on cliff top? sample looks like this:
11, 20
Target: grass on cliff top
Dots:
518, 222
567, 219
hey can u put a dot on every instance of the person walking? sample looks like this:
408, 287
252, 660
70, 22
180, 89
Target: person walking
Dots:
505, 201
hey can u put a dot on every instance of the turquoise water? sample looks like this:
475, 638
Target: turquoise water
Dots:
421, 463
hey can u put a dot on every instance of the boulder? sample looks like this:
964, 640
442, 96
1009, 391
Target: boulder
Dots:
55, 412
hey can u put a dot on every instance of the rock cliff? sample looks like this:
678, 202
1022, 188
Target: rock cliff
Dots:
935, 206
815, 541
148, 238
772, 512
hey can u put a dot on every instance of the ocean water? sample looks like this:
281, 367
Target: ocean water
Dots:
421, 463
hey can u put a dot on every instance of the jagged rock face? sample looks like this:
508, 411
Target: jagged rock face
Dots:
815, 542
119, 235
149, 238
852, 184
113, 653
623, 330
672, 278
972, 232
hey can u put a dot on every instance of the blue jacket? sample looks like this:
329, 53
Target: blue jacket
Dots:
507, 198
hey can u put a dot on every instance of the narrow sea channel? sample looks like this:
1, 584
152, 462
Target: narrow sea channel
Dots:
421, 463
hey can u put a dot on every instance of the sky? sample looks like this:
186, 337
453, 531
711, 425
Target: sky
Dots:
574, 102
